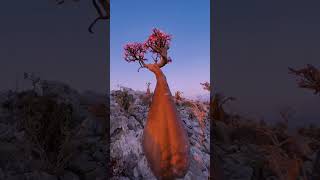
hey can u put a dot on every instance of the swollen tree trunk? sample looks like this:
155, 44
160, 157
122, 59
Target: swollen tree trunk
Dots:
165, 141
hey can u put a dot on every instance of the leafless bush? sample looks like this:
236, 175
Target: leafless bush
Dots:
206, 86
308, 78
47, 126
124, 99
148, 88
33, 78
178, 96
217, 109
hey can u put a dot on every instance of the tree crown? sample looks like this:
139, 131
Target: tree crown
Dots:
157, 43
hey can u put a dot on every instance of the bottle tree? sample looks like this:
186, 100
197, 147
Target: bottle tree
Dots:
148, 88
164, 141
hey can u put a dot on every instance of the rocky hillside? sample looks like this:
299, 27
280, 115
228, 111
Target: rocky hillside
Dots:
53, 132
250, 150
129, 110
48, 133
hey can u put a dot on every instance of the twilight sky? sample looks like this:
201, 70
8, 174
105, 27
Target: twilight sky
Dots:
187, 21
254, 43
52, 41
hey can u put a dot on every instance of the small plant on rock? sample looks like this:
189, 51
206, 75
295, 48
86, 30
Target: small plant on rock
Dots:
34, 79
124, 99
200, 114
178, 96
148, 88
206, 86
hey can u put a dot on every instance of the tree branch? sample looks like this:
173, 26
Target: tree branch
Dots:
163, 61
105, 6
309, 78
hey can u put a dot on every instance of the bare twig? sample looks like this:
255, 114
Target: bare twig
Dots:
308, 78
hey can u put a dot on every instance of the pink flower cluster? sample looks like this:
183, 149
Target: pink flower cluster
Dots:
157, 43
134, 52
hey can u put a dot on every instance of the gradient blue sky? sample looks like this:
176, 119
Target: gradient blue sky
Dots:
187, 21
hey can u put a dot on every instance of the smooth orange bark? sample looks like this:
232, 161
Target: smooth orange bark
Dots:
165, 141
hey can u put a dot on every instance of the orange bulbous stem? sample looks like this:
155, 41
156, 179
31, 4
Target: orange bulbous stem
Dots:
165, 142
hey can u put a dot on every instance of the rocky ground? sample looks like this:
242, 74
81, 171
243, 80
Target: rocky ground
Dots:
48, 133
252, 150
129, 110
54, 132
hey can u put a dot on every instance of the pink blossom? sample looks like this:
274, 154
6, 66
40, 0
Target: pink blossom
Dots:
158, 41
134, 52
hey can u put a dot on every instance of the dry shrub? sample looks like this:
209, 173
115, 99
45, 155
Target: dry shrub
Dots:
285, 156
178, 96
148, 88
47, 126
313, 134
308, 78
187, 103
252, 135
146, 99
206, 86
200, 114
283, 166
217, 109
124, 99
